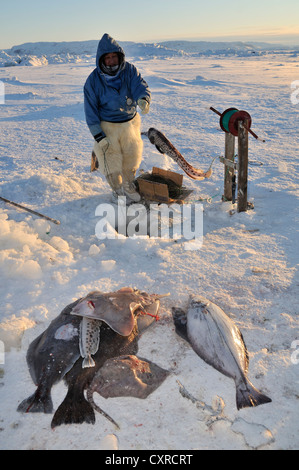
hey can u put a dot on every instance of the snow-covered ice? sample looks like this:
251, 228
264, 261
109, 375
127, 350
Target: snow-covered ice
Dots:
248, 263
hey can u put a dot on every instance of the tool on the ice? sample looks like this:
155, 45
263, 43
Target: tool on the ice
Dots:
229, 121
164, 146
30, 210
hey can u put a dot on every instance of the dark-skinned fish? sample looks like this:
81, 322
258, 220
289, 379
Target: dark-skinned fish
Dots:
55, 355
116, 309
125, 376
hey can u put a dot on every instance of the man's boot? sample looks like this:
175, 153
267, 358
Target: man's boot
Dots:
129, 186
115, 182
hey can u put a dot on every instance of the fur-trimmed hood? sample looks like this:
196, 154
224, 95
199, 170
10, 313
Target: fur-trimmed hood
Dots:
107, 45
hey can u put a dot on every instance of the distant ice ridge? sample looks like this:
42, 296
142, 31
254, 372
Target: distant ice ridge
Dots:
44, 53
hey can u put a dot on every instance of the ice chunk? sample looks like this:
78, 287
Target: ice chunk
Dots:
59, 244
94, 250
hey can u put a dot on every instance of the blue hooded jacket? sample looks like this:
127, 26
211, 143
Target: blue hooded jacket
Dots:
112, 98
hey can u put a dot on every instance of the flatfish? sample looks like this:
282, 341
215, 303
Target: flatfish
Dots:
56, 353
125, 376
219, 342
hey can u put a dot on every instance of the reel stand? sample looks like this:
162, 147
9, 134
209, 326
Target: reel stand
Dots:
236, 123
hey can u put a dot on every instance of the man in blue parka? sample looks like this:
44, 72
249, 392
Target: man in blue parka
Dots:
111, 95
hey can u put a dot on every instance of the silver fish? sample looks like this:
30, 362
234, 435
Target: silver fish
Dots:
219, 342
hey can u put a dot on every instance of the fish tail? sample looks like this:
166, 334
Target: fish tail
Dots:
88, 362
73, 410
89, 396
39, 402
247, 395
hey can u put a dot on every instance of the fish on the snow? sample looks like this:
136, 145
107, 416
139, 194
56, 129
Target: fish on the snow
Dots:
219, 342
118, 319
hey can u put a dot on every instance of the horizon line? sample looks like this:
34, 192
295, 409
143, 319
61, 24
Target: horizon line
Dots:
269, 39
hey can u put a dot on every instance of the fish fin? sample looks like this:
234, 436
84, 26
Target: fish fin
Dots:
247, 395
88, 362
134, 306
83, 308
180, 322
126, 290
159, 149
246, 356
36, 403
73, 410
89, 395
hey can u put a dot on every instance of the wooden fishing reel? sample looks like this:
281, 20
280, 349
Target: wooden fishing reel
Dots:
230, 118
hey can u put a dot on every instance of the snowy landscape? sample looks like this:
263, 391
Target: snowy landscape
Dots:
247, 264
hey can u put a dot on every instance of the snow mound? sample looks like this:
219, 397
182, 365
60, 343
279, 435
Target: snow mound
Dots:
27, 254
12, 329
11, 59
44, 53
24, 255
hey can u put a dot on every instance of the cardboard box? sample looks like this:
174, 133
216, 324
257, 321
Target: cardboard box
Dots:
158, 191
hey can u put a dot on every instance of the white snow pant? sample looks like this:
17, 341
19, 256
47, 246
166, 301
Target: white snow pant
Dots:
124, 154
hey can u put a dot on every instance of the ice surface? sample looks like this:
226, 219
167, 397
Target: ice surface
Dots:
247, 263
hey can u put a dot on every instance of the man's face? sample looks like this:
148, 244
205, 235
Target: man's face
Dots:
111, 59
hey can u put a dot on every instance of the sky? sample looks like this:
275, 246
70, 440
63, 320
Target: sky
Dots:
148, 21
